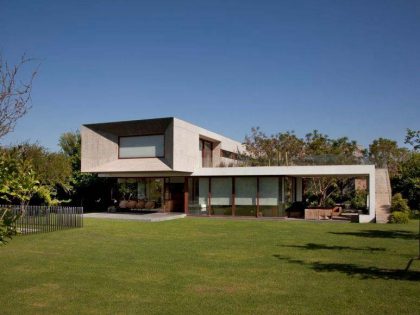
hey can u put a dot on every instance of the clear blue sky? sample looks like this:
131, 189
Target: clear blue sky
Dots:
342, 67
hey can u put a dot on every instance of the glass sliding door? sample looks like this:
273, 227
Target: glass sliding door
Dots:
198, 194
141, 193
221, 195
269, 196
246, 196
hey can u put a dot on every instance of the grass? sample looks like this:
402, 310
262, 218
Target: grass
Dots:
212, 266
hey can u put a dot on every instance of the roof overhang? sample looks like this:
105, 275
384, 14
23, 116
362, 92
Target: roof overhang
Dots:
133, 127
302, 171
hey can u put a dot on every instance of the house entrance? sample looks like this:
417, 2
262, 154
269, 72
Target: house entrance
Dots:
174, 195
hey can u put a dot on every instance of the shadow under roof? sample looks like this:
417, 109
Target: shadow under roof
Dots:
133, 127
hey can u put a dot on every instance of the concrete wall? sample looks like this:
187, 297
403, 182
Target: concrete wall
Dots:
100, 150
187, 156
97, 149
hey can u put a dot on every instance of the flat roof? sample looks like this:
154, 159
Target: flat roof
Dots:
309, 170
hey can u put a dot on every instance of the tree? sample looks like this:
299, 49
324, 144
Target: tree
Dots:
70, 144
278, 149
289, 147
30, 170
7, 225
407, 182
386, 153
15, 93
53, 169
17, 182
413, 138
89, 190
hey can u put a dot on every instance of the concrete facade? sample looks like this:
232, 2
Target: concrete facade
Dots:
100, 146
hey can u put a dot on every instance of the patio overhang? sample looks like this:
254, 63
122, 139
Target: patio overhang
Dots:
301, 172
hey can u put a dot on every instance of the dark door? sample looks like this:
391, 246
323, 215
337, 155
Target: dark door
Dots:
177, 196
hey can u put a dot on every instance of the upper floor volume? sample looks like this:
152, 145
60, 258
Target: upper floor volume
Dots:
162, 145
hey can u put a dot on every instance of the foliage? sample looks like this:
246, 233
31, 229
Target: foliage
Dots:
321, 188
413, 138
359, 200
18, 181
70, 144
399, 217
36, 171
399, 204
53, 169
329, 203
385, 153
7, 225
89, 190
278, 149
408, 180
15, 93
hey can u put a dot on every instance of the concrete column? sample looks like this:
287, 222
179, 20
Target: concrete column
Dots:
365, 218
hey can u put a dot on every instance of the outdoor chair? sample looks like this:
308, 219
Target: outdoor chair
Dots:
336, 212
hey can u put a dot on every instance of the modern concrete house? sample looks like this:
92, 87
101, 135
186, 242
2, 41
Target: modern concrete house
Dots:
170, 165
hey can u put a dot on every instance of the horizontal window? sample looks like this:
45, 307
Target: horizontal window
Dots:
142, 146
229, 155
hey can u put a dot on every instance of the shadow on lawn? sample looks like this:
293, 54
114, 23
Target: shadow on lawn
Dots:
381, 234
356, 270
313, 246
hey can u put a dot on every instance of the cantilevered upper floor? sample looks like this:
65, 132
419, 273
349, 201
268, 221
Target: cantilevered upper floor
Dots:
155, 146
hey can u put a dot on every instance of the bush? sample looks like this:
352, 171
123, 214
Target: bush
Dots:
359, 200
399, 217
399, 204
329, 203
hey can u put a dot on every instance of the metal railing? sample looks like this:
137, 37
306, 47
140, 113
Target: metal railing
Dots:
42, 219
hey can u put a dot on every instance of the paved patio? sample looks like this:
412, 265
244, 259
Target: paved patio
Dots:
149, 217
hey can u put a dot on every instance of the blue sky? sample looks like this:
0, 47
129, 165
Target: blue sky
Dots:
343, 67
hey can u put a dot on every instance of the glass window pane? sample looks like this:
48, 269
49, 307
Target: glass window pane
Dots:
269, 191
141, 146
270, 197
221, 195
246, 196
198, 196
203, 191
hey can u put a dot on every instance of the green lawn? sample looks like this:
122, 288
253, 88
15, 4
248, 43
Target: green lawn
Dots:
212, 266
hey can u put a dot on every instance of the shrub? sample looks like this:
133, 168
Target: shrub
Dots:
329, 203
399, 217
399, 204
359, 200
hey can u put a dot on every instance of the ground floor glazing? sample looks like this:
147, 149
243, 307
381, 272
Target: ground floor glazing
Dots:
253, 196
